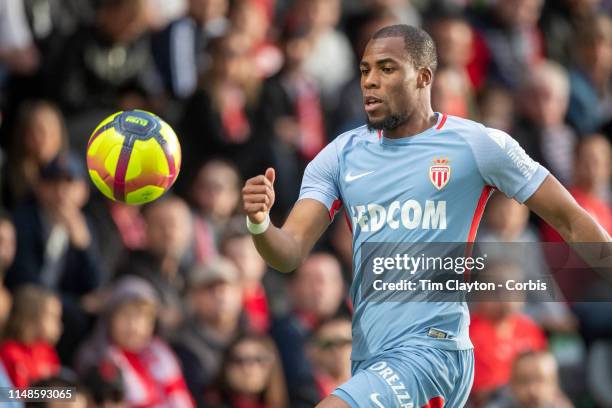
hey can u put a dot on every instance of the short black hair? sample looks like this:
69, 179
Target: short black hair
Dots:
419, 45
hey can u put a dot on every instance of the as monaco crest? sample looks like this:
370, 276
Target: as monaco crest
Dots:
439, 173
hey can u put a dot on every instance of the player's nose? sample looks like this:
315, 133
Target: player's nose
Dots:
370, 81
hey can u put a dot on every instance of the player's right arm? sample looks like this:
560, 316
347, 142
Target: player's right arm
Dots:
283, 248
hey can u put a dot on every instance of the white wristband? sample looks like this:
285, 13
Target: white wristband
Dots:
257, 229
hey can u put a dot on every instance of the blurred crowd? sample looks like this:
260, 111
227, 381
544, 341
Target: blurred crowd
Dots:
169, 304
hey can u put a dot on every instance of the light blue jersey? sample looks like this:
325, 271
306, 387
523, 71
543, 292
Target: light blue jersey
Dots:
429, 187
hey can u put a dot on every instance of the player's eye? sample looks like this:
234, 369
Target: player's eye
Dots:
364, 71
388, 70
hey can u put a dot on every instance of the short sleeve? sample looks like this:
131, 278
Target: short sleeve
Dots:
504, 164
320, 181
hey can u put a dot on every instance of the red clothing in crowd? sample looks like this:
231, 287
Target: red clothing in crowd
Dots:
495, 349
310, 118
152, 377
255, 305
481, 58
130, 224
204, 237
28, 363
325, 384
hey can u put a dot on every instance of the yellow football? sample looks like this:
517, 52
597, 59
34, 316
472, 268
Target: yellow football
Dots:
133, 157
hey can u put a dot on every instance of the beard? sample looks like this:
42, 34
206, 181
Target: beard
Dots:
392, 121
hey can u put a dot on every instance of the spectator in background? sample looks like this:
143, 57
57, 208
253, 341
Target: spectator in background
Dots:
329, 44
534, 383
450, 93
290, 110
506, 233
591, 182
51, 22
499, 333
125, 339
403, 10
220, 118
180, 48
590, 103
8, 246
561, 20
105, 62
165, 259
106, 386
329, 351
237, 245
455, 45
591, 187
8, 243
250, 376
508, 42
496, 108
17, 50
161, 13
215, 194
215, 299
55, 244
34, 327
118, 226
39, 136
250, 26
506, 220
316, 291
540, 129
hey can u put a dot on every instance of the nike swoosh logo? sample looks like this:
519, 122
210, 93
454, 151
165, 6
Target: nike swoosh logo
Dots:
350, 178
374, 399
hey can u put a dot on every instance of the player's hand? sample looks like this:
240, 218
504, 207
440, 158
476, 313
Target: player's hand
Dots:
258, 196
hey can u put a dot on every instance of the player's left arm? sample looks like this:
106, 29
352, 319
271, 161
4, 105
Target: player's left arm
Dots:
504, 164
555, 205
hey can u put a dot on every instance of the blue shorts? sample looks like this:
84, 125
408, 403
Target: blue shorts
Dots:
410, 377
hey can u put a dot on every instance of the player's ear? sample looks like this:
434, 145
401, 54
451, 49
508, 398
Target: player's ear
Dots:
424, 77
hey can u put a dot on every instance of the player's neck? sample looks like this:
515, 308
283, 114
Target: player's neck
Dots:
418, 122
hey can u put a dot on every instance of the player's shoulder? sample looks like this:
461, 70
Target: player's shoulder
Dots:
473, 132
464, 127
350, 137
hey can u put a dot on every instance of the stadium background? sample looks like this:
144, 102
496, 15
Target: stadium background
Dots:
254, 83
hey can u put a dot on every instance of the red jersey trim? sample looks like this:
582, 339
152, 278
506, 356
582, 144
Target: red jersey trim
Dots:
334, 208
480, 206
435, 402
442, 122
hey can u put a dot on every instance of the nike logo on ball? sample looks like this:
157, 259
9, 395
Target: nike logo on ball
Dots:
350, 177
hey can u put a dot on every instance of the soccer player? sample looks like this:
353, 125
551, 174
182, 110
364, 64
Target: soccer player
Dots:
394, 179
